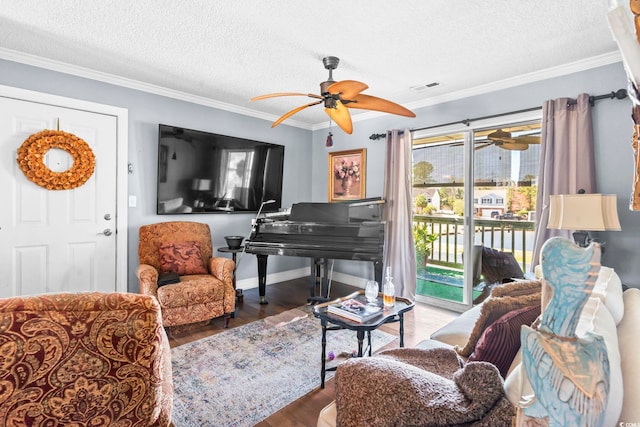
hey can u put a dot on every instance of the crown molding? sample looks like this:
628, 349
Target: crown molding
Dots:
62, 67
561, 70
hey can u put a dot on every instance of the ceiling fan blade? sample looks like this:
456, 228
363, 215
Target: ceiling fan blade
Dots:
292, 112
528, 139
367, 102
347, 88
516, 146
273, 95
478, 142
341, 116
482, 145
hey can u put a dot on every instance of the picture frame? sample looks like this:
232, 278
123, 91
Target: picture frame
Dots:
347, 175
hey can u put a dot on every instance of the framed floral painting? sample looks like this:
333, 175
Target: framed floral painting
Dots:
347, 175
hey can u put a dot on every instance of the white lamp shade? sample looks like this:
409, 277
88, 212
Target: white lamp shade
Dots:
584, 212
201, 184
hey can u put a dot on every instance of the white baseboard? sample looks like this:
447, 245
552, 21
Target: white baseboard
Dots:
283, 276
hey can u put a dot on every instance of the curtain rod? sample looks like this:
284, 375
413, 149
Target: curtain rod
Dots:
619, 94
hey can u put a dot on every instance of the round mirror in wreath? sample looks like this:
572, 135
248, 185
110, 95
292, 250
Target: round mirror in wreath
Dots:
31, 160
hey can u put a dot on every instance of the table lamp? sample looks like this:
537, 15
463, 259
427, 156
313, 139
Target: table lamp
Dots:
201, 187
583, 213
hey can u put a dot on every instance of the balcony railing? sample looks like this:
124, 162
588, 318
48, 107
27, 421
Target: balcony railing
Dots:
511, 236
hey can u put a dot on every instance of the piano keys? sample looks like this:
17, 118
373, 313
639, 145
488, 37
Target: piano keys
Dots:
322, 232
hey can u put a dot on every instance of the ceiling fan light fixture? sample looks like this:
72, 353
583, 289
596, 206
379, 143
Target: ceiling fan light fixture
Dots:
329, 142
340, 114
498, 135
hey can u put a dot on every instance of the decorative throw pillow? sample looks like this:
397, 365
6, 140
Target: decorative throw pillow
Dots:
517, 288
597, 319
183, 258
500, 342
608, 289
492, 309
498, 266
628, 333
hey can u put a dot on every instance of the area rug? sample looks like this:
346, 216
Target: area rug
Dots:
241, 376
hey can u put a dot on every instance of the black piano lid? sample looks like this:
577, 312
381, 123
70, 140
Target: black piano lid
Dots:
327, 213
331, 213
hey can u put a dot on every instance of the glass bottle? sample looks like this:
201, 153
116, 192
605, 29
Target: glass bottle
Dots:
389, 290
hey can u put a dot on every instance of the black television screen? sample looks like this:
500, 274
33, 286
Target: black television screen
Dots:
202, 172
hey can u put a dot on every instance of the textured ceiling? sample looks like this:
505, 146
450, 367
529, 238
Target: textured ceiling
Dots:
230, 51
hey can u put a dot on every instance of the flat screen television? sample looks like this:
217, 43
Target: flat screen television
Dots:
203, 172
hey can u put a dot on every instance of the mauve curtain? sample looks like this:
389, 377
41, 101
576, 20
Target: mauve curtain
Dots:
567, 161
399, 249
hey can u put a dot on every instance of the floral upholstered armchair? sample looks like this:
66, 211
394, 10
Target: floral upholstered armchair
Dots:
84, 359
205, 287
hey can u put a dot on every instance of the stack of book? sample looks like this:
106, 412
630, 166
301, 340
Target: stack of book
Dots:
356, 309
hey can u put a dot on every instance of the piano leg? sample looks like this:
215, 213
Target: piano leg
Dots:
262, 277
319, 278
313, 278
324, 280
377, 271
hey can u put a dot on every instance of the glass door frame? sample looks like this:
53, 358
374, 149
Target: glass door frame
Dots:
469, 174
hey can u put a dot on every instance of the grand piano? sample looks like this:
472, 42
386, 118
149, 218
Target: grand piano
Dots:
322, 232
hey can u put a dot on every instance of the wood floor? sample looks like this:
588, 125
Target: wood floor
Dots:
419, 324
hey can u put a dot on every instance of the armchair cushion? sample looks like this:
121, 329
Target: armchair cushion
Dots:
182, 258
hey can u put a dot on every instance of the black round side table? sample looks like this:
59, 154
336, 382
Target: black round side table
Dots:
233, 253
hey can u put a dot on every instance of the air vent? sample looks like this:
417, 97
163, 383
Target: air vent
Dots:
424, 86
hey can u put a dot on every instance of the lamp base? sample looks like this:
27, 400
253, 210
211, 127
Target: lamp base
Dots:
582, 238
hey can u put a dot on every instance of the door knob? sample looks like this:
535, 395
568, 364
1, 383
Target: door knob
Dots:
106, 232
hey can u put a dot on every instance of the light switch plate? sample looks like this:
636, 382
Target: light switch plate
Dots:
133, 201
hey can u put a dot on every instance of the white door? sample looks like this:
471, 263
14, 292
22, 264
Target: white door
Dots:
56, 240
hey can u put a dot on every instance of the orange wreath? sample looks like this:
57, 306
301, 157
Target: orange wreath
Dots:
31, 160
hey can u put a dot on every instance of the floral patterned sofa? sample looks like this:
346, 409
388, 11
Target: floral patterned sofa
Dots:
84, 359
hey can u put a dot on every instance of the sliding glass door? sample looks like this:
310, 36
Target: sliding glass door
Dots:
474, 197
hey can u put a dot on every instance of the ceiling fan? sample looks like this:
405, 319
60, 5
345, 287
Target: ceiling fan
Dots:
338, 97
504, 140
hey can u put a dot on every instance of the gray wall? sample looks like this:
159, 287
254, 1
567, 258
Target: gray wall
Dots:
305, 170
614, 155
145, 112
